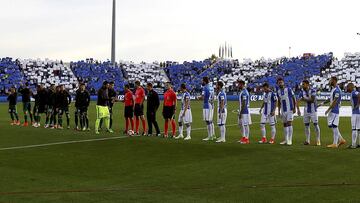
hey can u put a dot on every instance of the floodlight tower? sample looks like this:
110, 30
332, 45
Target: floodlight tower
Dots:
113, 37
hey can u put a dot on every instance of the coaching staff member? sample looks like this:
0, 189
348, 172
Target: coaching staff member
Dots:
153, 103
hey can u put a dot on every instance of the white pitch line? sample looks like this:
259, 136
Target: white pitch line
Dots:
61, 143
78, 141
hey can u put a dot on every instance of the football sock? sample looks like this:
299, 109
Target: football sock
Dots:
97, 125
77, 120
336, 137
107, 123
286, 134
181, 128
166, 127
173, 127
307, 133
290, 133
127, 125
209, 129
213, 130
354, 137
222, 132
188, 130
132, 124
317, 131
263, 130
143, 122
137, 123
273, 132
247, 131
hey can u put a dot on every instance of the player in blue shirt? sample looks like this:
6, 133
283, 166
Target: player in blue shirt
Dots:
333, 113
286, 104
355, 118
308, 96
244, 118
208, 108
221, 110
267, 112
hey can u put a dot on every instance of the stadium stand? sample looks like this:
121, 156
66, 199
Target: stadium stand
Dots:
144, 72
93, 73
49, 72
248, 70
294, 70
10, 74
317, 69
347, 69
192, 73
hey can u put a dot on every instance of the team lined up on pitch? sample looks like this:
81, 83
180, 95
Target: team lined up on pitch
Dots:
55, 101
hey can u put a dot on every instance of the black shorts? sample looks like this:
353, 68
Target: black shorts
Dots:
129, 112
40, 109
12, 109
169, 112
139, 110
81, 110
64, 109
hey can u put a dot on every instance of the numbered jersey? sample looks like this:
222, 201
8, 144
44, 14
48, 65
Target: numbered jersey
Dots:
285, 97
336, 95
185, 96
244, 97
208, 94
222, 97
270, 100
355, 102
310, 107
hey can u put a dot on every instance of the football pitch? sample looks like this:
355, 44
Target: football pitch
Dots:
43, 165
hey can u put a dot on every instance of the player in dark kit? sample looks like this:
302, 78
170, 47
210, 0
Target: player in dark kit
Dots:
26, 94
64, 100
112, 97
82, 102
40, 106
51, 107
12, 98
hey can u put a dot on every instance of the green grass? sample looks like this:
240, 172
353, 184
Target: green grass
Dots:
151, 169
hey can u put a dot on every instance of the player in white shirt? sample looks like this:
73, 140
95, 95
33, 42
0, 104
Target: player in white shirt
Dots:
308, 96
286, 104
185, 116
244, 113
267, 112
333, 113
355, 118
221, 111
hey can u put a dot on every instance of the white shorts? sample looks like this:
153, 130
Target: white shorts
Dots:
221, 119
244, 119
313, 117
271, 120
333, 119
287, 117
355, 122
208, 114
187, 118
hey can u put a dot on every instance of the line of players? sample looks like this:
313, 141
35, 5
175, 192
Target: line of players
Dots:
56, 102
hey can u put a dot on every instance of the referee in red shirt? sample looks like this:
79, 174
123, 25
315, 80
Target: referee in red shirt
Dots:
169, 109
139, 108
129, 110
